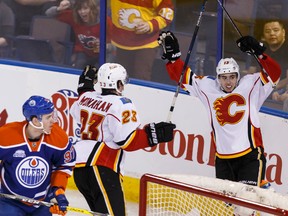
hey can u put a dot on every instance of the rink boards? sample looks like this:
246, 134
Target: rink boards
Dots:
189, 153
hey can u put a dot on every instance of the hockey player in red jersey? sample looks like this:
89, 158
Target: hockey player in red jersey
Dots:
109, 127
232, 104
36, 160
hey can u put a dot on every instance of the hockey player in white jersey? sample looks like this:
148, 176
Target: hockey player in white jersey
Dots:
232, 105
109, 126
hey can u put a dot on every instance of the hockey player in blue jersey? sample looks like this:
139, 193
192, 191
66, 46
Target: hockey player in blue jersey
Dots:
36, 160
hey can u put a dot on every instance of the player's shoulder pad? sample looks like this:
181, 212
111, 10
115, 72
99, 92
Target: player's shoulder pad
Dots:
11, 133
58, 137
125, 100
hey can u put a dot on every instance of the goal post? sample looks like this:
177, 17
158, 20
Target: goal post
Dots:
198, 195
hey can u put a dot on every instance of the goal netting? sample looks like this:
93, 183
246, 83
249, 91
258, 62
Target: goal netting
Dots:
176, 195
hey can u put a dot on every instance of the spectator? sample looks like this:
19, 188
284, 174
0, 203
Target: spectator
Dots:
24, 10
281, 95
109, 127
7, 28
233, 105
36, 160
136, 25
83, 16
274, 36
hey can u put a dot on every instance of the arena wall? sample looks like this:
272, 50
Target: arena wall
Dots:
189, 154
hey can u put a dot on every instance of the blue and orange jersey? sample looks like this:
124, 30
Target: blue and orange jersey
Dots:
29, 168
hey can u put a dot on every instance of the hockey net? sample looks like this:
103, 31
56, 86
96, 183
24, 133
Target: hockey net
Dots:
203, 196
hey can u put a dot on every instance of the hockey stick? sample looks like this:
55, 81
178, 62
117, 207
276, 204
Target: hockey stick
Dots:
186, 60
240, 34
49, 204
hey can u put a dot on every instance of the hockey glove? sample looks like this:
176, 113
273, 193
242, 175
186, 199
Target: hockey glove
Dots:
250, 45
55, 210
59, 195
160, 132
170, 46
87, 79
265, 184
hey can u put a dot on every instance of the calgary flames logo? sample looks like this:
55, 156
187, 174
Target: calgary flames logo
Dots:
224, 114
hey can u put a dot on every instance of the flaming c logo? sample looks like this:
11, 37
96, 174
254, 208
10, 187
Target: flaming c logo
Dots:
222, 106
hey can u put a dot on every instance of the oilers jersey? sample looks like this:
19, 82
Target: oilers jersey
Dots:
29, 168
109, 125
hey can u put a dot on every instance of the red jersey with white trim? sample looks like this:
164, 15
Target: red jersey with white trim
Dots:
233, 116
109, 125
28, 168
125, 15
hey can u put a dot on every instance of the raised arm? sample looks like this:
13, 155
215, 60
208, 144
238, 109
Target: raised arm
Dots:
54, 10
271, 70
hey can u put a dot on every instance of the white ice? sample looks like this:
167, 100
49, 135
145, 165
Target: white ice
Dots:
77, 200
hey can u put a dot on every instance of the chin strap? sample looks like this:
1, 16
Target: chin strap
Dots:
119, 92
39, 127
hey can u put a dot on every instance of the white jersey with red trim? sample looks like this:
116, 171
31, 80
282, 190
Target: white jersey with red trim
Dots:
108, 124
233, 116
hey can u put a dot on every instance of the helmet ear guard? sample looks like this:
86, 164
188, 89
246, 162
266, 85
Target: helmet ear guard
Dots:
227, 65
36, 106
110, 73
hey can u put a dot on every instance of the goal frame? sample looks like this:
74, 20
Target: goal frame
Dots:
146, 178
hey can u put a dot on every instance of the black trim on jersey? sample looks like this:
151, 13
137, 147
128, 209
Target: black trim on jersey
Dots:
120, 159
249, 135
35, 139
92, 154
108, 92
121, 143
191, 78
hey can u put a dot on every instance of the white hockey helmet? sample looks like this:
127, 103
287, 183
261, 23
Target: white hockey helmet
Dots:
110, 73
227, 65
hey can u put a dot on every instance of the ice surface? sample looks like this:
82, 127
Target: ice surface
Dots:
77, 200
